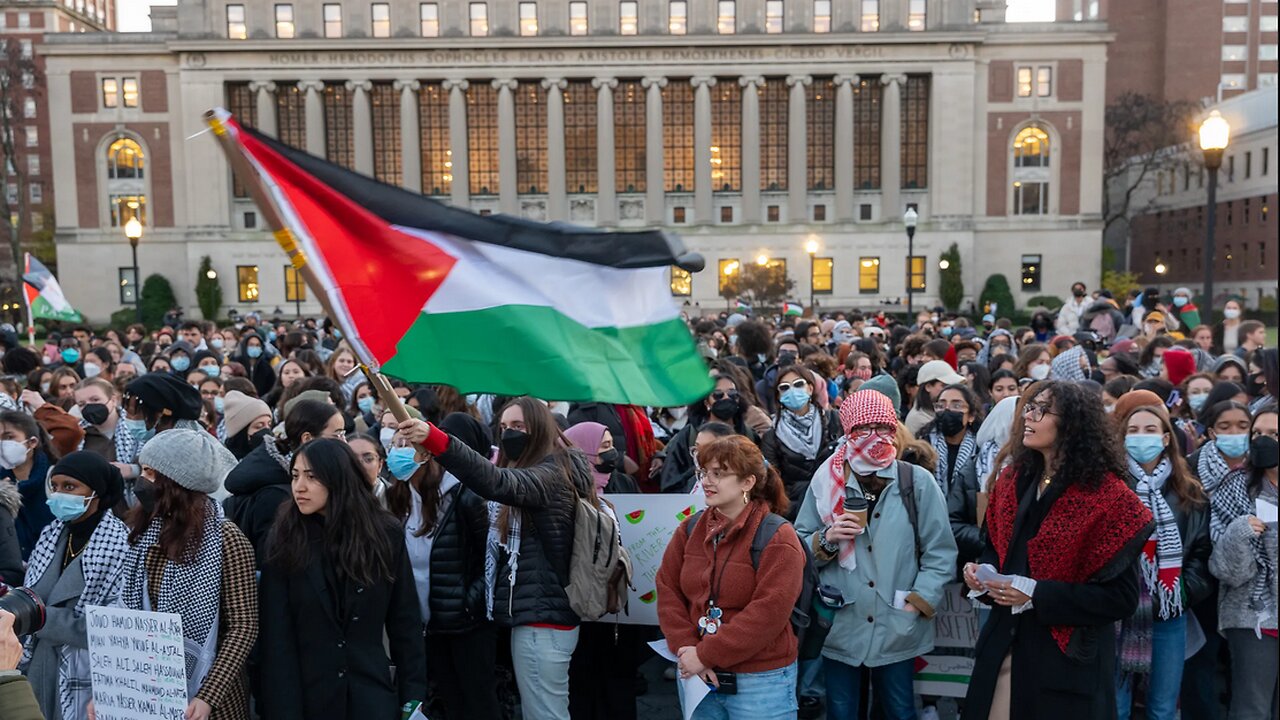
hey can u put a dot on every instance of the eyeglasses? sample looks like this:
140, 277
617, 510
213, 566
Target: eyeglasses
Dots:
722, 394
959, 406
800, 384
1035, 412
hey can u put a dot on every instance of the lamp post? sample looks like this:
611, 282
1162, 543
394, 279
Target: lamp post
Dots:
1215, 133
133, 231
811, 248
909, 220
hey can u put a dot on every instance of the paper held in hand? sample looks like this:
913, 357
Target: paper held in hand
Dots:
1265, 511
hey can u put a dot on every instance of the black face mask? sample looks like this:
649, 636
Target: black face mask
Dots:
608, 461
786, 358
1078, 292
1264, 452
949, 422
513, 443
145, 490
1254, 385
242, 443
95, 413
725, 409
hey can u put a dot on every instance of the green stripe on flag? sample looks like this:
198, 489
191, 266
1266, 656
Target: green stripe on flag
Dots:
940, 677
524, 349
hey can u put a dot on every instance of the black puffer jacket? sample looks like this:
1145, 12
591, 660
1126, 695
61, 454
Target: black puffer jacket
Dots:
457, 564
1193, 526
962, 508
795, 469
258, 486
546, 534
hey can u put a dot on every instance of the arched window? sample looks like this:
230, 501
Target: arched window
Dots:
1031, 148
124, 160
1031, 173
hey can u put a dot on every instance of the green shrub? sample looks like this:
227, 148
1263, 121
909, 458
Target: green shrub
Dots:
208, 291
950, 283
996, 291
1046, 301
157, 299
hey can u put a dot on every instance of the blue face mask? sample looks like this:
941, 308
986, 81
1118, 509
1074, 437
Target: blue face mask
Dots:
1144, 448
139, 430
946, 332
180, 363
401, 463
211, 370
218, 404
1179, 301
1232, 445
337, 334
794, 399
1198, 401
70, 356
271, 336
365, 404
67, 507
254, 351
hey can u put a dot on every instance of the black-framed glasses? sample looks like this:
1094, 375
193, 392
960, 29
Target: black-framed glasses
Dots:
800, 384
722, 394
959, 406
1035, 411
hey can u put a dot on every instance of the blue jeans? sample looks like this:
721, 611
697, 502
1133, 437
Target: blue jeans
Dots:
893, 685
811, 681
541, 658
768, 695
1168, 655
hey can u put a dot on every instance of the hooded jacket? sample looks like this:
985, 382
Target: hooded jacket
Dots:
258, 486
260, 372
11, 571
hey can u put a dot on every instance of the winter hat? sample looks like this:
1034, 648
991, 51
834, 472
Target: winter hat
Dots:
867, 407
165, 393
1123, 345
317, 395
94, 471
191, 458
240, 410
1179, 363
1135, 399
884, 385
470, 431
938, 370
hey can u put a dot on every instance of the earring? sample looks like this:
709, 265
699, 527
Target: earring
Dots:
746, 499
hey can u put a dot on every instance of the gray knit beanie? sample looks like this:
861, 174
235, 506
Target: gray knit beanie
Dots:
192, 458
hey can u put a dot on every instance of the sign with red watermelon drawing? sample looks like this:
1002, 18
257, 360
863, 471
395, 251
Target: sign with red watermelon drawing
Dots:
647, 523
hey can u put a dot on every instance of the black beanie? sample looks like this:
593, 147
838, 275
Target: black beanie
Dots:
93, 470
164, 391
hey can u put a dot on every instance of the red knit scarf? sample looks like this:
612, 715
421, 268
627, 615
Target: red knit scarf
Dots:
1083, 532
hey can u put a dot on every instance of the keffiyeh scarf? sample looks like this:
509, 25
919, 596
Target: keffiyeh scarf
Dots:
801, 434
968, 448
1228, 503
1161, 560
128, 447
494, 542
1211, 469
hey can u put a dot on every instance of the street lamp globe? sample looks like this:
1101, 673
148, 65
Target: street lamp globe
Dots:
133, 229
1215, 132
944, 264
1161, 268
910, 218
811, 247
211, 274
762, 260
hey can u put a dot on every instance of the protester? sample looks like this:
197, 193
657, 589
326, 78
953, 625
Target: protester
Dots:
1034, 361
956, 415
803, 436
932, 378
1071, 312
246, 421
11, 563
257, 363
724, 404
337, 577
152, 404
99, 416
373, 461
25, 459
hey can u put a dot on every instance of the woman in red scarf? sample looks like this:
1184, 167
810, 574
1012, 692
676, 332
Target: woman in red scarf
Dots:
1065, 534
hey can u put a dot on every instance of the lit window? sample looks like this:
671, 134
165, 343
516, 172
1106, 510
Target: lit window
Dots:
29, 107
681, 282
628, 17
1235, 52
332, 20
284, 21
1236, 23
479, 19
823, 274
773, 16
247, 283
916, 15
125, 207
869, 275
870, 16
578, 18
678, 17
429, 19
916, 272
1024, 82
295, 288
528, 19
1235, 81
110, 93
128, 285
1031, 172
236, 27
1044, 82
124, 160
822, 16
380, 17
1031, 272
729, 269
129, 92
726, 17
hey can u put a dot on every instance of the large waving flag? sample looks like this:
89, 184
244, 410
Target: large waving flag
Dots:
44, 295
432, 293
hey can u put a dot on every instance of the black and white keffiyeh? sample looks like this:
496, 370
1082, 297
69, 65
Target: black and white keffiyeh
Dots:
1161, 560
1228, 503
1211, 469
801, 434
128, 447
968, 448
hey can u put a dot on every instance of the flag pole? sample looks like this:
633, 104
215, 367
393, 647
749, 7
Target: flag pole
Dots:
247, 174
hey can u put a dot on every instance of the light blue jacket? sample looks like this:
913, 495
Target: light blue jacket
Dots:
869, 630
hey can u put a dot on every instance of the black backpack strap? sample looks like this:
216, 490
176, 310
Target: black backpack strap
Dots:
764, 535
907, 490
693, 520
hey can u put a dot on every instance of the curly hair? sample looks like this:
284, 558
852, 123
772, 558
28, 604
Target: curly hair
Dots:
753, 340
970, 399
1149, 352
741, 456
1088, 449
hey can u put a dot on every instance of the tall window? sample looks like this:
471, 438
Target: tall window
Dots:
295, 288
332, 20
726, 271
726, 17
339, 146
437, 157
110, 93
773, 16
581, 171
869, 275
1031, 172
125, 206
429, 19
822, 275
479, 16
578, 17
247, 283
681, 282
678, 17
629, 137
773, 134
1031, 270
822, 16
820, 121
124, 160
1024, 82
870, 16
1044, 82
236, 27
677, 136
866, 134
380, 18
242, 103
628, 17
129, 92
482, 138
384, 102
291, 114
916, 272
128, 285
915, 132
531, 139
528, 19
916, 10
726, 137
284, 21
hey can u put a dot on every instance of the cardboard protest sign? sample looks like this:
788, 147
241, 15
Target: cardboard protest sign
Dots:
138, 670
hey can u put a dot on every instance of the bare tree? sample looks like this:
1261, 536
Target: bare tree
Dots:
19, 80
1144, 136
758, 285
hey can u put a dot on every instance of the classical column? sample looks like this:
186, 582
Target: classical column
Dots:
798, 150
557, 202
361, 125
891, 148
844, 147
606, 172
265, 97
751, 148
702, 204
508, 189
410, 135
655, 200
460, 187
315, 116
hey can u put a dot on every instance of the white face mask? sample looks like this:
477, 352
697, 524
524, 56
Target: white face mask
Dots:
1231, 313
12, 454
385, 435
1040, 372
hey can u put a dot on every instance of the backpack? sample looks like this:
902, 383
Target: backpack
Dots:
906, 490
599, 567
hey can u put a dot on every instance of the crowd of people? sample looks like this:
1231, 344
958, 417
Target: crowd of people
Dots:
1102, 482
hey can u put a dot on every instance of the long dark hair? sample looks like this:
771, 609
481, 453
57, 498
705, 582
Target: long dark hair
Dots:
970, 399
1088, 448
1184, 483
357, 531
306, 416
427, 482
545, 440
182, 513
1257, 476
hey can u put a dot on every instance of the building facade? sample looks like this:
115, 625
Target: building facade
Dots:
756, 129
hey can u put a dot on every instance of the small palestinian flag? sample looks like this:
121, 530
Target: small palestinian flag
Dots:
743, 308
795, 309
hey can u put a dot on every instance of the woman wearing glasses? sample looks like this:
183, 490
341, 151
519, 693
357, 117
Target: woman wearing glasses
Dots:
725, 404
1064, 533
803, 435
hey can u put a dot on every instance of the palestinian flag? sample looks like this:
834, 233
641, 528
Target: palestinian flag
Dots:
438, 294
743, 307
792, 309
45, 300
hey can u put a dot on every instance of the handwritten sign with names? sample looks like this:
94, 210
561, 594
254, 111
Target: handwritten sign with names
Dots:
137, 664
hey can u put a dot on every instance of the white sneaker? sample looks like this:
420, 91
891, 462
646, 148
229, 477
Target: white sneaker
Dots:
929, 712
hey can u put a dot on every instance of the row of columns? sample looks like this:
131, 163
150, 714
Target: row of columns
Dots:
606, 206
